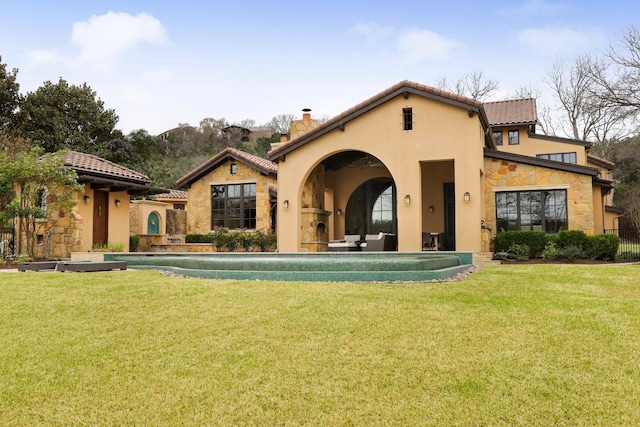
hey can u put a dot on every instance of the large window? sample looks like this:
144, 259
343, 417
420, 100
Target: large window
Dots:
532, 210
233, 206
371, 208
560, 157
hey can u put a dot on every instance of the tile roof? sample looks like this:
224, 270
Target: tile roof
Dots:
262, 165
511, 112
172, 194
404, 87
93, 165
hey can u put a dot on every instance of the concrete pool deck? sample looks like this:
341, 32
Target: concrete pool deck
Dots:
324, 266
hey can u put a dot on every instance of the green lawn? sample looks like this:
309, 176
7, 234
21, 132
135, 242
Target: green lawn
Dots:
534, 345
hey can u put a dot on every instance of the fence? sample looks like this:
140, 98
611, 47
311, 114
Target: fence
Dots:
7, 242
629, 242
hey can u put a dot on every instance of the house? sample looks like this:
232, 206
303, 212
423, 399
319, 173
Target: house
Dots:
417, 161
101, 215
233, 189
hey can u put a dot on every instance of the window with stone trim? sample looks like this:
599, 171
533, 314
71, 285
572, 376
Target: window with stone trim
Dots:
532, 210
233, 206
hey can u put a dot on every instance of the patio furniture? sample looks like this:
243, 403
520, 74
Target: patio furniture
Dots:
380, 242
432, 241
350, 243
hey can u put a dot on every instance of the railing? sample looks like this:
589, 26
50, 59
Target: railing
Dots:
629, 242
7, 242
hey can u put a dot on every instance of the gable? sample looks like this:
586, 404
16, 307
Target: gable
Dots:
404, 89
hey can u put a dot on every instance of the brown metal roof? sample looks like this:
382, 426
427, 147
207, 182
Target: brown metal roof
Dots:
511, 112
263, 165
90, 164
403, 88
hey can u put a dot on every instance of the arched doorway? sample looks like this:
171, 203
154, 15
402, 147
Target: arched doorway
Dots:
372, 208
153, 223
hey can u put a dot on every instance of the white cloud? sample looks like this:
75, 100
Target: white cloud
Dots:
103, 38
44, 57
371, 31
418, 45
558, 41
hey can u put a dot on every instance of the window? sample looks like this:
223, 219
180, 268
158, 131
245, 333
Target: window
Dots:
407, 115
532, 210
560, 157
233, 206
233, 169
514, 137
497, 137
179, 206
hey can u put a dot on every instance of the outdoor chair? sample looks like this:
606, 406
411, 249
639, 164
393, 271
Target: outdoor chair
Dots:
350, 243
380, 242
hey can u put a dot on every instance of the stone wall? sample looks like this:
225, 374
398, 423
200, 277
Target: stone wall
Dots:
512, 176
199, 196
176, 222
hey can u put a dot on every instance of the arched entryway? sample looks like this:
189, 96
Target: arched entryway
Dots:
372, 208
153, 223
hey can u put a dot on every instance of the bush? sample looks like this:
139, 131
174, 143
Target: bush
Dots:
571, 253
517, 251
576, 238
602, 246
550, 251
134, 242
534, 240
230, 240
197, 238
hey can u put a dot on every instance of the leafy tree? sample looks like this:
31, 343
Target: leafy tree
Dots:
41, 185
9, 96
62, 116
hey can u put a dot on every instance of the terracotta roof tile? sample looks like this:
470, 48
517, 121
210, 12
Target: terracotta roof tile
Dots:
91, 164
512, 112
259, 162
172, 194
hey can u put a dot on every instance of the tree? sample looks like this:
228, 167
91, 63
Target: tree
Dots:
619, 82
588, 115
41, 184
282, 122
62, 116
9, 96
472, 85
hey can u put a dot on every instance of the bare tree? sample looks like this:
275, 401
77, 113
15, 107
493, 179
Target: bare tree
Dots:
584, 114
282, 122
472, 85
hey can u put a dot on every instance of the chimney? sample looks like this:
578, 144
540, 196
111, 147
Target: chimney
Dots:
283, 137
306, 113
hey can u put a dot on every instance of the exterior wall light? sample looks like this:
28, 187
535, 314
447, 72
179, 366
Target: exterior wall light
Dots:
117, 203
339, 212
285, 204
431, 209
86, 199
407, 200
467, 197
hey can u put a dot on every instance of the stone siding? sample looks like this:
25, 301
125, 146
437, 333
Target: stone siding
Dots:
199, 196
176, 222
520, 177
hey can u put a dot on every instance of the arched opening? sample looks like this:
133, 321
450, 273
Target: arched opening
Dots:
372, 208
153, 223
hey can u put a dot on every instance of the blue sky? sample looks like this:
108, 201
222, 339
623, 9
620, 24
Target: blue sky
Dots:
159, 64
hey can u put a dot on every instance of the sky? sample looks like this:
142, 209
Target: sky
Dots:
161, 64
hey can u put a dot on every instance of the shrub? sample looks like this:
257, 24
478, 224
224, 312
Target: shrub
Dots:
198, 238
571, 253
534, 240
550, 251
134, 242
517, 251
602, 246
576, 238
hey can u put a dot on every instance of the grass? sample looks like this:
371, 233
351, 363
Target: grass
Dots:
527, 345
